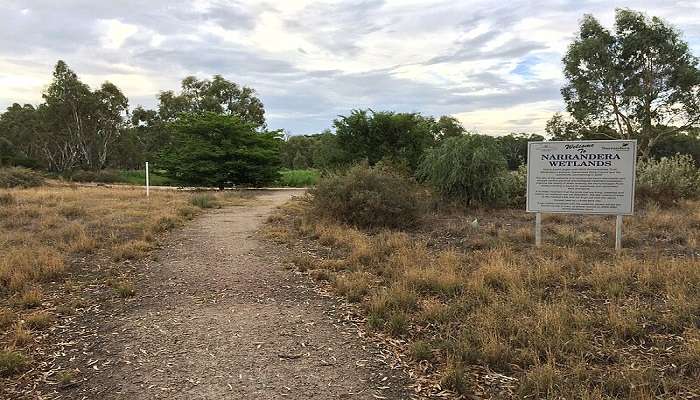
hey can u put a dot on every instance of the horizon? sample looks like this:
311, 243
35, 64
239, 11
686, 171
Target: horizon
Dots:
496, 69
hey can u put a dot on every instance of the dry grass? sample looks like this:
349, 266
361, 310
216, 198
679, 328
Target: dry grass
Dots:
43, 231
569, 320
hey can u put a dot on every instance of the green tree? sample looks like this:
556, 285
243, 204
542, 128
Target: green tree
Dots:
217, 95
20, 131
447, 127
370, 135
640, 81
327, 154
297, 151
470, 169
217, 150
514, 148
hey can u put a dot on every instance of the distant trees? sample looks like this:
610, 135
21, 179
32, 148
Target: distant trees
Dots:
220, 150
78, 128
217, 95
640, 82
373, 136
74, 127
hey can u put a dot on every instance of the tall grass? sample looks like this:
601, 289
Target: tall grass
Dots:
298, 177
570, 320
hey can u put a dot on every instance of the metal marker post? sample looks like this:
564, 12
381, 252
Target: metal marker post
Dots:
538, 229
147, 182
618, 233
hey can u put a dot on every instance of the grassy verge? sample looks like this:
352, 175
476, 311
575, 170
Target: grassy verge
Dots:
482, 312
138, 177
298, 177
47, 233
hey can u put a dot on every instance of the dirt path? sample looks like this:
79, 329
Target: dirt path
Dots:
218, 317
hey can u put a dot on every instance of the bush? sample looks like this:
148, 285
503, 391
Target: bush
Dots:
203, 200
668, 178
469, 169
19, 177
368, 197
100, 176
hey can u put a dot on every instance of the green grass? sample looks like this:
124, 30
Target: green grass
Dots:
298, 177
138, 177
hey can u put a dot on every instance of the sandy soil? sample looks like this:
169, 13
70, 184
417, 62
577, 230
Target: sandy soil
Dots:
218, 317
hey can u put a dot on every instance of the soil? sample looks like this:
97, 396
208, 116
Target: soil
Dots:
218, 316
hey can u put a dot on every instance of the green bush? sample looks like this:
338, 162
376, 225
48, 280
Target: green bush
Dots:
99, 176
470, 169
668, 178
368, 197
20, 177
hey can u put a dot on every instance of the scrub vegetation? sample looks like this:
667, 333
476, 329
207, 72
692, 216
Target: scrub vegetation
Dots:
481, 311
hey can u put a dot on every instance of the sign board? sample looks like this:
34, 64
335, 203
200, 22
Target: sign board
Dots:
581, 177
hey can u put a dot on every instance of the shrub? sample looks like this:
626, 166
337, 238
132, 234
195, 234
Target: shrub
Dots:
368, 197
19, 177
203, 200
668, 178
468, 169
101, 176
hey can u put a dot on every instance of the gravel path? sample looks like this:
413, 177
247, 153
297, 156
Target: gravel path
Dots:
218, 317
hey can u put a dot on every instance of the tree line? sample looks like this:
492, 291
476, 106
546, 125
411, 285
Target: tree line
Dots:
638, 81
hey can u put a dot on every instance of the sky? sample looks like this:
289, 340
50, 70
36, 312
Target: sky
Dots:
494, 65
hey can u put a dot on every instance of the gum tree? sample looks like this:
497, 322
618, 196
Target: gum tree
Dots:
641, 80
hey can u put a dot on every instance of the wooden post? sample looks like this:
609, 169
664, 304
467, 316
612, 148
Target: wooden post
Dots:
618, 234
538, 229
147, 182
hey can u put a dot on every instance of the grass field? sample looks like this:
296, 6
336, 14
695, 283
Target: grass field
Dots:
483, 312
298, 177
46, 231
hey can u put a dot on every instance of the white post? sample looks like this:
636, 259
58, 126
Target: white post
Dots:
147, 182
538, 229
618, 233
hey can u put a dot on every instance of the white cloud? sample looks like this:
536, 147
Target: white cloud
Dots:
115, 33
495, 65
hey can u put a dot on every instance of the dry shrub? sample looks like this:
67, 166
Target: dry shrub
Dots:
18, 177
39, 320
132, 250
20, 336
367, 196
354, 286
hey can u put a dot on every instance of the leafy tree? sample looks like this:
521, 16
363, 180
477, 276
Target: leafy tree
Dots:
220, 150
470, 169
297, 151
447, 127
19, 133
79, 126
370, 135
514, 148
327, 152
217, 95
640, 81
683, 143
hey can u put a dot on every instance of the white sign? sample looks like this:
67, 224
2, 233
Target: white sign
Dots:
581, 177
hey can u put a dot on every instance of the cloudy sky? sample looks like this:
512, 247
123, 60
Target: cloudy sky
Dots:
495, 65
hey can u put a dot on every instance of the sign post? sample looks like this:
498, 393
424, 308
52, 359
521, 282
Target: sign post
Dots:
581, 177
147, 182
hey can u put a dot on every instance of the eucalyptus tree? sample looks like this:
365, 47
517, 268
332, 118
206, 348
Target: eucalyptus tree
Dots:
641, 80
